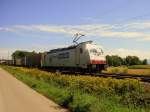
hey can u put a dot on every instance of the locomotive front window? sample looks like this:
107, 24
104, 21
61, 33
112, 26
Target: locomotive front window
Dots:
93, 50
102, 51
96, 51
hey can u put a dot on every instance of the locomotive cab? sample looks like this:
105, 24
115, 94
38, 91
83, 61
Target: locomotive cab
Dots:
90, 56
97, 59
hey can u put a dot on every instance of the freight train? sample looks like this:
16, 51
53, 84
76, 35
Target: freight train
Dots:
83, 57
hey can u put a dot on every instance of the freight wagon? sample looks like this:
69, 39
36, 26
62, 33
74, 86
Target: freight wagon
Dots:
33, 61
28, 61
19, 61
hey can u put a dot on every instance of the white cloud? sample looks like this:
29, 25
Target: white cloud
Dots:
9, 29
126, 52
136, 30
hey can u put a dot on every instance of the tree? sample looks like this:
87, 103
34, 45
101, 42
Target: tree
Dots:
144, 62
115, 60
132, 60
20, 54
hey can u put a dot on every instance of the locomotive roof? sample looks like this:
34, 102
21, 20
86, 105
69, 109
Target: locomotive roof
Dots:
67, 48
62, 49
90, 41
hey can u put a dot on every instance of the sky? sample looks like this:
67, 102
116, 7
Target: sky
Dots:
121, 27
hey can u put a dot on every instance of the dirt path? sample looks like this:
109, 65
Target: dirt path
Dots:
17, 97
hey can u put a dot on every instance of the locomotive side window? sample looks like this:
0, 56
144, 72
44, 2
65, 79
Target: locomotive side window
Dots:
63, 55
81, 50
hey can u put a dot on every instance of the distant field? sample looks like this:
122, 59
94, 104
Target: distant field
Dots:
139, 71
136, 69
139, 67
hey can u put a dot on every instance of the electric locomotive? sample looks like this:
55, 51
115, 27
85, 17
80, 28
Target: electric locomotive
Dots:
85, 57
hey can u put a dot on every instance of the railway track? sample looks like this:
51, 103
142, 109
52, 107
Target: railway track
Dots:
143, 78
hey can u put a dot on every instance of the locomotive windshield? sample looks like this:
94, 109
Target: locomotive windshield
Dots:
98, 51
93, 50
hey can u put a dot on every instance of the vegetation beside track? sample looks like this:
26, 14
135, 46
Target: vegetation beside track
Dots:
85, 93
121, 69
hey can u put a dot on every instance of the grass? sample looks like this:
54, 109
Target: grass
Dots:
85, 93
139, 67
